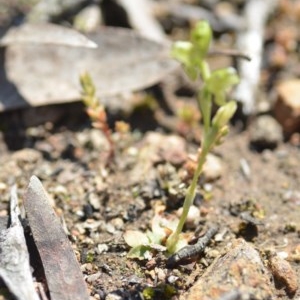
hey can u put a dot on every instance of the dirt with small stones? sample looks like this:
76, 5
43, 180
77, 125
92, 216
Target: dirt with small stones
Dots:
99, 200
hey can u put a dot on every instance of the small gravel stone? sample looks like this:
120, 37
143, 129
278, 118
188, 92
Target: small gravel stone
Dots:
265, 133
101, 248
27, 156
173, 150
92, 278
113, 296
287, 106
213, 167
172, 279
284, 274
92, 138
88, 19
118, 223
170, 148
98, 140
161, 274
60, 189
94, 201
193, 216
3, 186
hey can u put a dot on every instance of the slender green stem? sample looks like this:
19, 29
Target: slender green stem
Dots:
205, 100
205, 103
188, 201
204, 70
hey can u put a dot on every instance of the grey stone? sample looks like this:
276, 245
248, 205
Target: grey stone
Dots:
265, 133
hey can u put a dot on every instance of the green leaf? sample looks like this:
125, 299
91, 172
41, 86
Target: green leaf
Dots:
181, 51
139, 252
155, 237
182, 242
135, 238
221, 134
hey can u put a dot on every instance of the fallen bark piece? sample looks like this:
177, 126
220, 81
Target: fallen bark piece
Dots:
62, 271
287, 106
240, 269
14, 259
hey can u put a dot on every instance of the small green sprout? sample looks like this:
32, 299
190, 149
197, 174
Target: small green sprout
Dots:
95, 110
216, 84
143, 245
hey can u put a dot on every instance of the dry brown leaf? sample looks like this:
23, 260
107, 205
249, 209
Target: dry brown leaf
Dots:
45, 33
46, 74
62, 271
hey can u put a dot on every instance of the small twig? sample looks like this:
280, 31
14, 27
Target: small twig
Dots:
41, 291
256, 14
229, 52
191, 251
245, 168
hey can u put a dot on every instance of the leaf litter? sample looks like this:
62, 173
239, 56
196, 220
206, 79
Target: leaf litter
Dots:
122, 62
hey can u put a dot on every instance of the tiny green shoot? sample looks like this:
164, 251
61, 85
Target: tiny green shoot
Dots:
192, 54
95, 109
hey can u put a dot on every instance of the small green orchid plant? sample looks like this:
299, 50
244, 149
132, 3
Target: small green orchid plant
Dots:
216, 84
192, 54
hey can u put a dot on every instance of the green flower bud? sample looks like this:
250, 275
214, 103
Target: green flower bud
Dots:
222, 79
224, 114
222, 133
201, 37
182, 52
